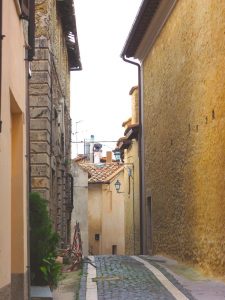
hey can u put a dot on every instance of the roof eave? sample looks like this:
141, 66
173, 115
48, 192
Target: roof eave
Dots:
148, 24
139, 27
67, 12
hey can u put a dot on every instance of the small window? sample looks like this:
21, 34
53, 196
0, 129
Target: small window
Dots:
97, 236
114, 249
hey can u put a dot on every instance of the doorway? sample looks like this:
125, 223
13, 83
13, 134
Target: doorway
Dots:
17, 202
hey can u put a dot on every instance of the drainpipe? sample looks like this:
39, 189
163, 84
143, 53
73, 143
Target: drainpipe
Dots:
28, 168
141, 170
1, 38
29, 53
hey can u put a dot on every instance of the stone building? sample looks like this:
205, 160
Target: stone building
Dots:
15, 52
56, 54
180, 47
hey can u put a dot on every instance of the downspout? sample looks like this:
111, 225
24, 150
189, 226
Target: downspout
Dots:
28, 167
29, 53
134, 227
1, 38
141, 183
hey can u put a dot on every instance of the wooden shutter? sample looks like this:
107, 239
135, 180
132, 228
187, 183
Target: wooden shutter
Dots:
31, 29
24, 4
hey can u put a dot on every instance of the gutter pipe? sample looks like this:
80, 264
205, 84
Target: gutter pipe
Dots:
29, 53
1, 38
28, 168
141, 183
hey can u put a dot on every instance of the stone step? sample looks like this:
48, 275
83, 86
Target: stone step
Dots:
41, 293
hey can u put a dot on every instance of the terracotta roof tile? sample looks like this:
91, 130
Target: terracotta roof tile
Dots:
80, 157
101, 173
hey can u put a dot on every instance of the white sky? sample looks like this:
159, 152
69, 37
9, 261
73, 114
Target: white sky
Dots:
100, 92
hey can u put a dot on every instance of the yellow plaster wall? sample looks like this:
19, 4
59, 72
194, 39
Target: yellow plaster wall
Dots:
131, 186
106, 217
132, 200
17, 193
113, 227
134, 105
184, 131
14, 80
94, 217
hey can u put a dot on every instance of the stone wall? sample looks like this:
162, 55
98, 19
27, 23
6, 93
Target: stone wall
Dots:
184, 130
50, 124
5, 292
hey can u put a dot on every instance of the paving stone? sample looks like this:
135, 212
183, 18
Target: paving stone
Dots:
136, 281
124, 278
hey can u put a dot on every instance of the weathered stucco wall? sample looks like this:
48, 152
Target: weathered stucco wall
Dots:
132, 200
113, 227
95, 218
184, 130
131, 184
80, 203
106, 218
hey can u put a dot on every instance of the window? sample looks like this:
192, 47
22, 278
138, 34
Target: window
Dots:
97, 236
114, 249
24, 4
31, 28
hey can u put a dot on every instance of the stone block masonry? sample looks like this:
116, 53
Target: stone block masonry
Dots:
50, 128
40, 120
46, 140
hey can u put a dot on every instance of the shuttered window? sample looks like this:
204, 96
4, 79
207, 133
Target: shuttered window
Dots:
24, 4
31, 29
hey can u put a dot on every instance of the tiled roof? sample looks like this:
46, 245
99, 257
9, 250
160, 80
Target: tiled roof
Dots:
80, 157
123, 143
67, 13
101, 173
131, 131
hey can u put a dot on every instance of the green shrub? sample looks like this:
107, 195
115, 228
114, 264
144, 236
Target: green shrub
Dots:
43, 244
51, 270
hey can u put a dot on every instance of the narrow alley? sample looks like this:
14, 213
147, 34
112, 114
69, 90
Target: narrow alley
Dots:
112, 139
141, 278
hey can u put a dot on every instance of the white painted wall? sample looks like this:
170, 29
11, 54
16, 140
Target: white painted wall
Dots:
80, 202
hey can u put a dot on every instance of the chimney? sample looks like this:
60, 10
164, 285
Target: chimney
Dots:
108, 157
97, 153
92, 148
134, 105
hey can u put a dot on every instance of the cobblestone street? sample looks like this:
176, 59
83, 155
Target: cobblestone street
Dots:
144, 277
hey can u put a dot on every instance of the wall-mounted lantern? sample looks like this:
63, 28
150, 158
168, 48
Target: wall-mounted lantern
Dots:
117, 185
